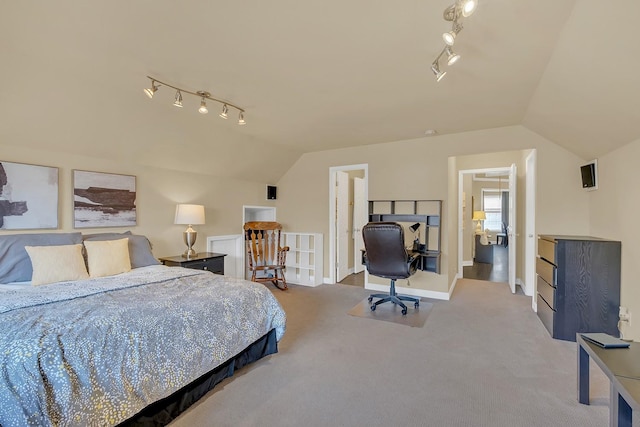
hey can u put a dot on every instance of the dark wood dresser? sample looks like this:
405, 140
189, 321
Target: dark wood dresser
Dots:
209, 261
578, 285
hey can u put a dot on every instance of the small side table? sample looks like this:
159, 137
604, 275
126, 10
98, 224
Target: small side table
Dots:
208, 261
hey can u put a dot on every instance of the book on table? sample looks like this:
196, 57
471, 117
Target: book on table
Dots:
605, 340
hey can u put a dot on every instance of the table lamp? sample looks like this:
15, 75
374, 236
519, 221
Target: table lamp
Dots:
416, 240
189, 215
479, 216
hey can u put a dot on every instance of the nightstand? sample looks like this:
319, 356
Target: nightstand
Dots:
209, 261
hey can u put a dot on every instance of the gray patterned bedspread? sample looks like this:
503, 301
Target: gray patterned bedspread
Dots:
96, 352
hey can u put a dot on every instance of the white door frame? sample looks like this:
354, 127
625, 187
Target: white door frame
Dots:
512, 236
343, 233
461, 173
530, 228
360, 217
332, 210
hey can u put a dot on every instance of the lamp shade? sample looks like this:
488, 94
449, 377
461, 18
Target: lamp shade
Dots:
479, 216
189, 214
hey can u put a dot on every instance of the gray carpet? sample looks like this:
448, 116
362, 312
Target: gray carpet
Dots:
482, 359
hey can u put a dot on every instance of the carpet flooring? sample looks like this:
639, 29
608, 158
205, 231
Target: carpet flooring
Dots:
482, 359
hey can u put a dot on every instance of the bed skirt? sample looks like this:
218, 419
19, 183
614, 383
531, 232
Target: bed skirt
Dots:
164, 411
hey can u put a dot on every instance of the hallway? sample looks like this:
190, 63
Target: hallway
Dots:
496, 272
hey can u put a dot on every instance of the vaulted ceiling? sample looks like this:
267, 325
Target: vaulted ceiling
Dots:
312, 75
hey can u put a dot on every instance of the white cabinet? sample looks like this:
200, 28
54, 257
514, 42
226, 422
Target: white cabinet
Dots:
305, 258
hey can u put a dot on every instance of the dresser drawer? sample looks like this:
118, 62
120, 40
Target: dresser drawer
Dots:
214, 265
547, 250
546, 270
547, 292
545, 313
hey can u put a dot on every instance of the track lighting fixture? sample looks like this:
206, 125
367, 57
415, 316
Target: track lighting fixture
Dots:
224, 112
150, 91
178, 101
454, 13
203, 95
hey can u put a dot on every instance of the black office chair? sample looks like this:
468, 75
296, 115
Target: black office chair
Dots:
386, 256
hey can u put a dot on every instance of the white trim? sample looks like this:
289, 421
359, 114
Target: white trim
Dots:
423, 293
332, 209
467, 263
238, 256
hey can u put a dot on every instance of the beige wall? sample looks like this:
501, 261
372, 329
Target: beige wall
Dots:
614, 210
419, 169
158, 191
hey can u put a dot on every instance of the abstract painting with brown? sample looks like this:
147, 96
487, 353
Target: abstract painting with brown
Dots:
103, 199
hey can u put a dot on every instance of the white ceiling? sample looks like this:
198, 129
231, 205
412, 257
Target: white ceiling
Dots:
316, 75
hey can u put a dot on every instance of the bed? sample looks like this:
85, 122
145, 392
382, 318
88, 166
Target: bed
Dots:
133, 348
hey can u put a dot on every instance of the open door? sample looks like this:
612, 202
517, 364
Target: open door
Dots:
360, 218
511, 228
342, 225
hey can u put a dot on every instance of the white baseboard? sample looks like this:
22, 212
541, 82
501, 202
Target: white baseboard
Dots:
423, 293
467, 263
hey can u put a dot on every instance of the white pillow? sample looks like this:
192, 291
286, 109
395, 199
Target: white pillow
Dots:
56, 263
108, 257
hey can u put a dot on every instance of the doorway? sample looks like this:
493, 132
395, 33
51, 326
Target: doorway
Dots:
487, 218
348, 195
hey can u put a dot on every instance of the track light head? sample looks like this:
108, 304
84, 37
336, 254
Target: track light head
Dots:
178, 101
452, 57
436, 70
449, 37
150, 91
468, 7
203, 104
203, 107
224, 112
241, 119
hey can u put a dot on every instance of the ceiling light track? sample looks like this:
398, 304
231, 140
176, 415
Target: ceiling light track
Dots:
454, 13
203, 95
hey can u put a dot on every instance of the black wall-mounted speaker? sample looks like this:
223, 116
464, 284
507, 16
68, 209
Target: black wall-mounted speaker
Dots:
271, 192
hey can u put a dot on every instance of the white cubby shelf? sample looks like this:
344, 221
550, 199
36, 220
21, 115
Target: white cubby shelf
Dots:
305, 258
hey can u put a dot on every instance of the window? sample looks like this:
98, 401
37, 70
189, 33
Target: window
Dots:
492, 206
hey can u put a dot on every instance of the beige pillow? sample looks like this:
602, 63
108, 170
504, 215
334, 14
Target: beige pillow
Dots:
108, 257
56, 263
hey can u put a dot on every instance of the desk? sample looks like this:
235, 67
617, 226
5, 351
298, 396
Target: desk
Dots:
622, 367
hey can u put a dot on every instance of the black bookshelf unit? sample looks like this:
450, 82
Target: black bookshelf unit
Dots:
426, 212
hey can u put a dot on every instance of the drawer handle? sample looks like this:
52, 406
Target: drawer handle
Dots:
205, 268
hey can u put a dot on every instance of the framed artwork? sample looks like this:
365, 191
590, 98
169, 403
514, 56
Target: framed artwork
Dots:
28, 196
103, 200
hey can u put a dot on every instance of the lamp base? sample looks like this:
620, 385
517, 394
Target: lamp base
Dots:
190, 253
189, 239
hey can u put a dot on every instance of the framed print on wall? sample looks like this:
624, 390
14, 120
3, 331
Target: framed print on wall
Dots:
103, 200
28, 196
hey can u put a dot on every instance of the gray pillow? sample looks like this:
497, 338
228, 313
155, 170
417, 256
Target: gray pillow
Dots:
139, 247
15, 264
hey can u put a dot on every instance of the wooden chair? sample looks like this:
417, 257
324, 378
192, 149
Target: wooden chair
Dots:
265, 253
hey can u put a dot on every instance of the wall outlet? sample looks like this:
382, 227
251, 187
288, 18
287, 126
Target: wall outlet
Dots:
625, 315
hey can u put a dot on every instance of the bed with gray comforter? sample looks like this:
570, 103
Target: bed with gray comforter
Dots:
96, 352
